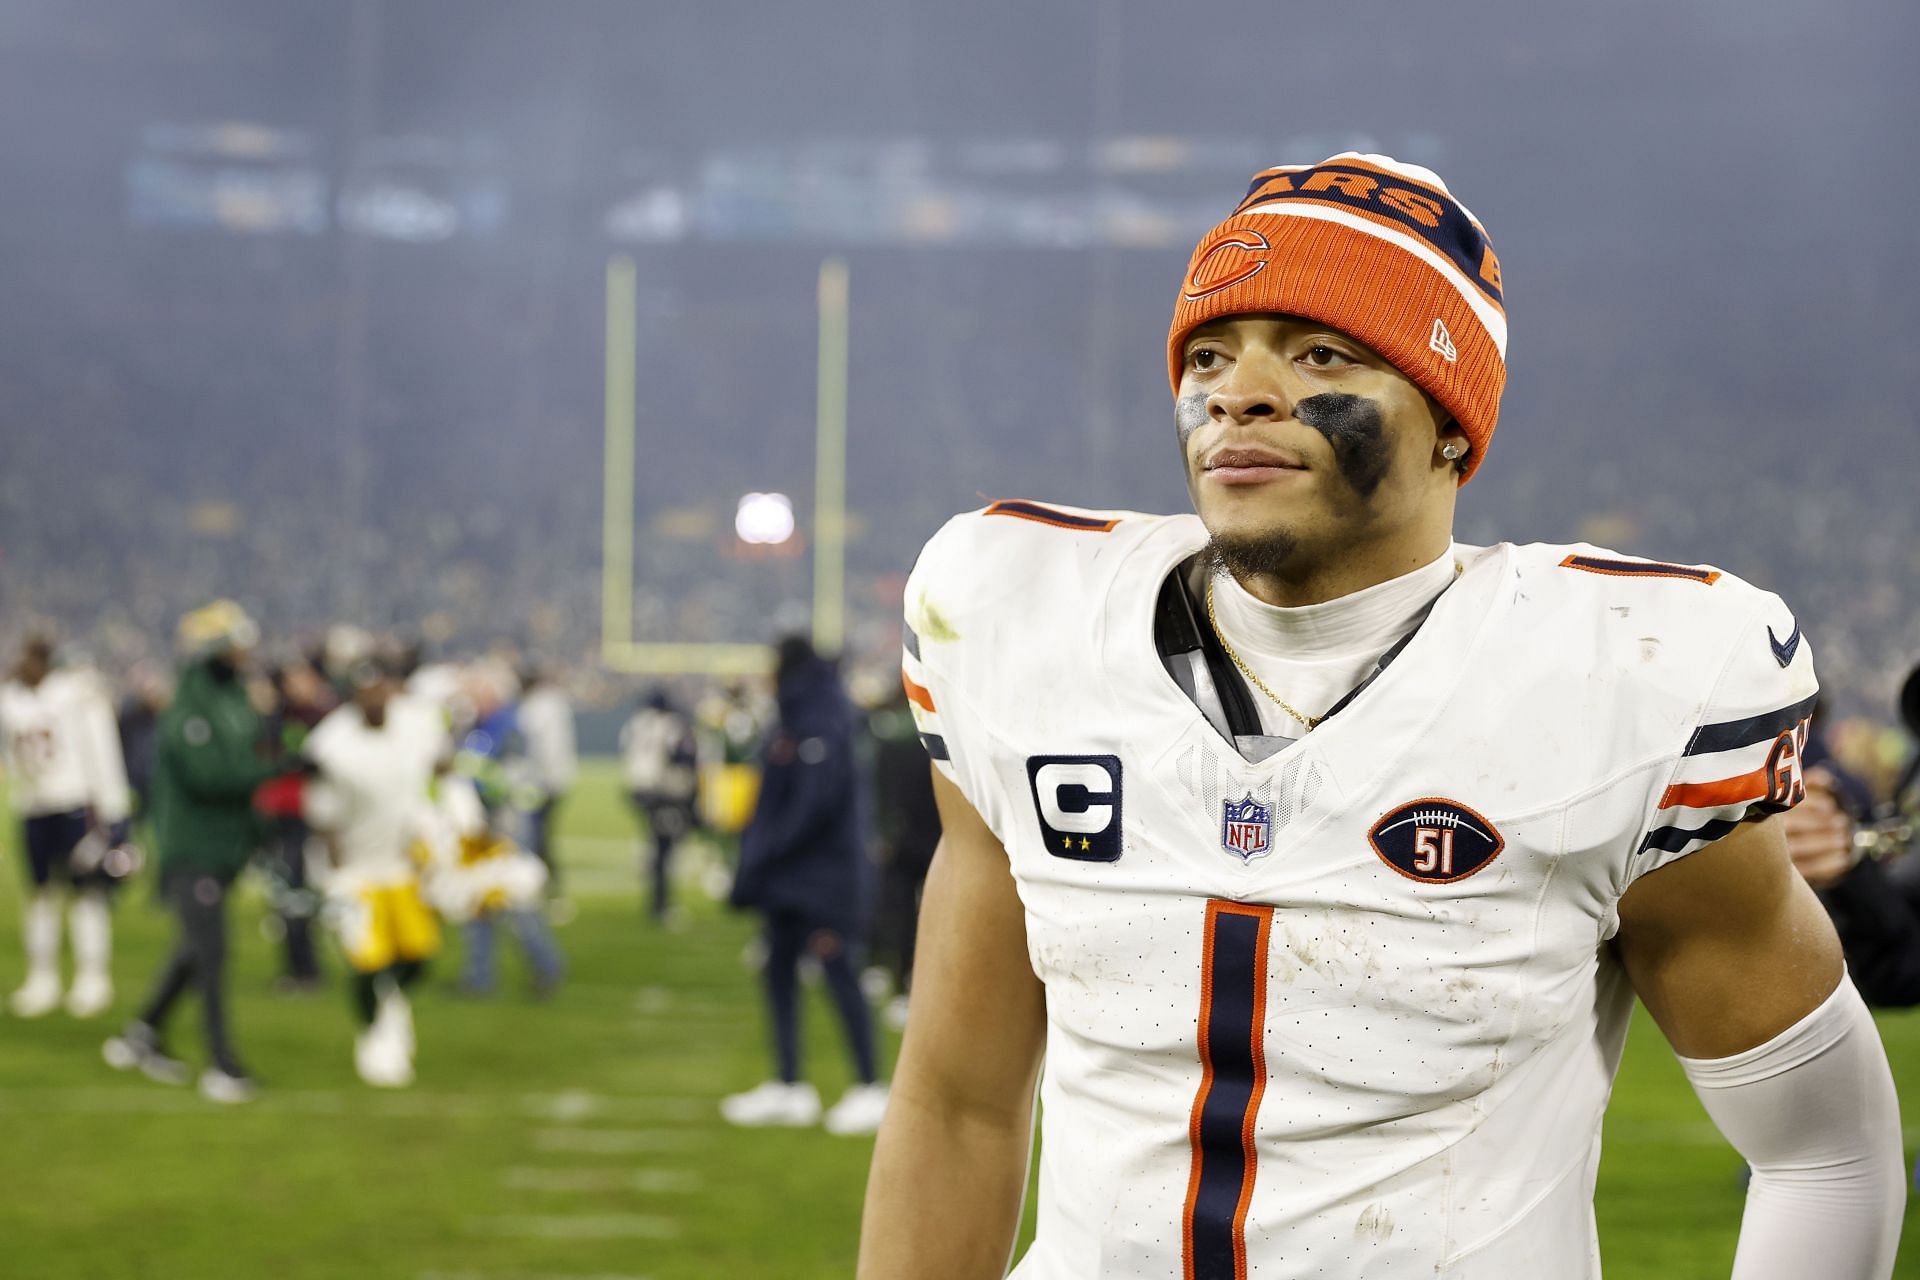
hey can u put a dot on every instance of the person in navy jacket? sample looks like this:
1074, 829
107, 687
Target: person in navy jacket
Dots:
804, 867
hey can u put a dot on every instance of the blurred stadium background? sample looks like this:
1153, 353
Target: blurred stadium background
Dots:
342, 307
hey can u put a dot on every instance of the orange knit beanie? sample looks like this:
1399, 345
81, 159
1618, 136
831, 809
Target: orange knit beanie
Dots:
1379, 250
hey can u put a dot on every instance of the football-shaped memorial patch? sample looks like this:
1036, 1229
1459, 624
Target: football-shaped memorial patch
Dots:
1434, 840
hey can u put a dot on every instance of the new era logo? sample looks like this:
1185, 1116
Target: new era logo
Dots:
1442, 342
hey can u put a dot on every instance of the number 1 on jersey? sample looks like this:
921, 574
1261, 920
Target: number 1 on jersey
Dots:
1233, 1075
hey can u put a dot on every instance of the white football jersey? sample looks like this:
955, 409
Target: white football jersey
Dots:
1347, 1011
61, 747
469, 870
373, 786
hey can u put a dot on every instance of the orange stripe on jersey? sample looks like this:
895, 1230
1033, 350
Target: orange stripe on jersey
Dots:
1713, 795
1049, 516
918, 694
1641, 569
1233, 1078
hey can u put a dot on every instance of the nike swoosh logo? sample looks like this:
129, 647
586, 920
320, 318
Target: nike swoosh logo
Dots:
1783, 650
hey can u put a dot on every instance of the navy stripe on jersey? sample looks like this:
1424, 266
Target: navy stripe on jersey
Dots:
936, 746
1731, 735
1674, 839
1641, 569
910, 641
1233, 1059
1049, 515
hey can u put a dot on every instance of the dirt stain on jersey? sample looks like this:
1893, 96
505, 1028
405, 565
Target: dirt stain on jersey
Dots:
929, 623
1375, 1224
1354, 427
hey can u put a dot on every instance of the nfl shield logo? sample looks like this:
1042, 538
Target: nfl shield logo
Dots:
1246, 830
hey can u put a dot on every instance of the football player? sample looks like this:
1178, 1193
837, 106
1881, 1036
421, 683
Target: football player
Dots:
375, 757
474, 875
61, 749
1324, 856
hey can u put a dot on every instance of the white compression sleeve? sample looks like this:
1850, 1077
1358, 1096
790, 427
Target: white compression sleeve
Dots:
1813, 1111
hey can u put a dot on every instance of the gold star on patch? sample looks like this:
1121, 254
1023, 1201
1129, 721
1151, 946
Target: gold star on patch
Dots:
1066, 842
1085, 843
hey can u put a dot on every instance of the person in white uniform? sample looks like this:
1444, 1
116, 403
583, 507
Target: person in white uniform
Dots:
545, 719
1321, 858
375, 758
60, 747
473, 875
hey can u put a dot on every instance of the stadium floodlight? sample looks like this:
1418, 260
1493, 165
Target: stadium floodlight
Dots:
764, 519
618, 649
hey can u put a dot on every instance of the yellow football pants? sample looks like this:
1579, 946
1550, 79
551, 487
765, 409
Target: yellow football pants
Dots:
384, 925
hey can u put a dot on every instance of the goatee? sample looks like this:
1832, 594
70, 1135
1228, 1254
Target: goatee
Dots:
1252, 555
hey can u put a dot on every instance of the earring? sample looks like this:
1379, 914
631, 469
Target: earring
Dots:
1451, 451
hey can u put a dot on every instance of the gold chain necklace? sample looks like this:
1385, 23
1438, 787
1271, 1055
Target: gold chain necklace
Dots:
1213, 620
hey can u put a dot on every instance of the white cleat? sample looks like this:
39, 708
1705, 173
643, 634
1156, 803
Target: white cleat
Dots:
394, 1019
217, 1086
37, 997
90, 996
859, 1110
380, 1058
791, 1106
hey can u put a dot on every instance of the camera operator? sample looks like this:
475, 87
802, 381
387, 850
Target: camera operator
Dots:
1875, 904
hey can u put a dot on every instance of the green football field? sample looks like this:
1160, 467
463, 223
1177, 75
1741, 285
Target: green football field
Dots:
573, 1139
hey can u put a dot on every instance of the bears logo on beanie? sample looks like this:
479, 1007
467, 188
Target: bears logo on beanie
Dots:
1379, 250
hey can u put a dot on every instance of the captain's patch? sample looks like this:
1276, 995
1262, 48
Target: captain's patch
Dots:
1435, 841
1077, 799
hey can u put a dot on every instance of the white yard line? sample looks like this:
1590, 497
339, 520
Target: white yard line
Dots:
592, 882
573, 1106
601, 846
658, 1001
728, 980
566, 1107
587, 856
577, 1226
610, 1141
671, 1030
649, 1181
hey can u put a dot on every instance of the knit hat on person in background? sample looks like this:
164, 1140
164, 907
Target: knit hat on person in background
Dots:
1379, 250
220, 627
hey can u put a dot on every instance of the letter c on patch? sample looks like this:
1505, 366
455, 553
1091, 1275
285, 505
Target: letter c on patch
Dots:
1077, 799
1234, 258
1056, 785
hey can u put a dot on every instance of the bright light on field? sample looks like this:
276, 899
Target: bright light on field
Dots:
764, 519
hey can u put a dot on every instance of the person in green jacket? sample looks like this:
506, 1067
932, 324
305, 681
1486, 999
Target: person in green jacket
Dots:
211, 758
